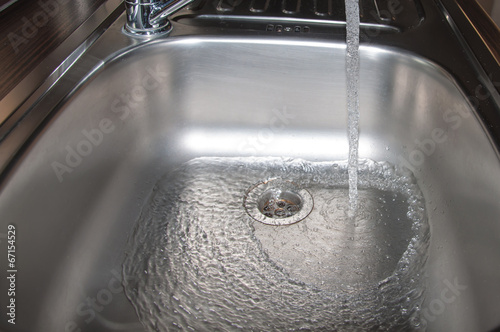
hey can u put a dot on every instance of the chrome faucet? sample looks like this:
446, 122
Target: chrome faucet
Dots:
150, 17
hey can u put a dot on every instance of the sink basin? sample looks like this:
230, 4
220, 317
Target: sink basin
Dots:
135, 189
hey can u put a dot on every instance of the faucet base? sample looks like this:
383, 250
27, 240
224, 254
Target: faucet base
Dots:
147, 32
147, 18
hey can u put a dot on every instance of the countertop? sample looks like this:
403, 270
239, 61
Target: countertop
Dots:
31, 30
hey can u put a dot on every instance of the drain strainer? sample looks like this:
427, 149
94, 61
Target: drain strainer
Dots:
277, 202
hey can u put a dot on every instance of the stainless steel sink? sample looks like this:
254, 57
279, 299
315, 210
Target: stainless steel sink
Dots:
157, 136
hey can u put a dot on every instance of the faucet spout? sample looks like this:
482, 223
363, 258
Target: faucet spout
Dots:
151, 17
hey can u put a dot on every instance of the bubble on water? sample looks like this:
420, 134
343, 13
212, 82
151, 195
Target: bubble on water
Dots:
196, 260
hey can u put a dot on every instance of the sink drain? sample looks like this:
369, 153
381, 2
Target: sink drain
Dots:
277, 202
